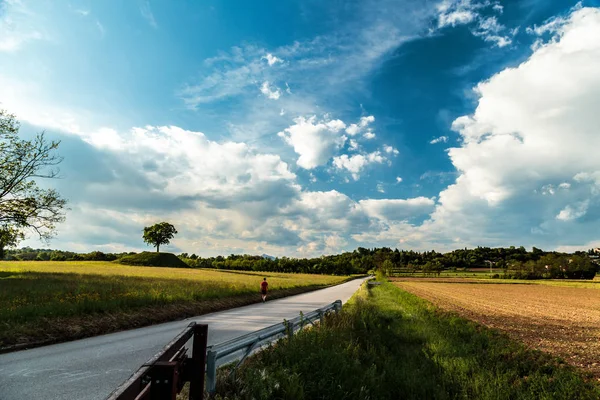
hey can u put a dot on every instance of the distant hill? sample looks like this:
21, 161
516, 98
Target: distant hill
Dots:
153, 259
268, 257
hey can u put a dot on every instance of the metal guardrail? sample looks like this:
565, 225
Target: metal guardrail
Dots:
252, 341
164, 375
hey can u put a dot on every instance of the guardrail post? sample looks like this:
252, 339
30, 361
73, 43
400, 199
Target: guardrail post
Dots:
211, 371
289, 329
198, 361
337, 305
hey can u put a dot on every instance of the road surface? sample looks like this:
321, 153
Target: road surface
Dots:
89, 369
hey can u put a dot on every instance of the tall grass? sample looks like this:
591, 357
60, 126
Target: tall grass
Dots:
34, 296
389, 344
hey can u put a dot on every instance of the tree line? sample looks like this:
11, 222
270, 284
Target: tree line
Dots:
511, 262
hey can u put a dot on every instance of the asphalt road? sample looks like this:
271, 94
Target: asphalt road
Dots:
89, 369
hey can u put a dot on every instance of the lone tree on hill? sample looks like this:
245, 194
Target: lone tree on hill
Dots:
24, 205
159, 234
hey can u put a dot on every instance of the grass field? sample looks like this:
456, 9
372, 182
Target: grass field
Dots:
390, 344
559, 317
52, 301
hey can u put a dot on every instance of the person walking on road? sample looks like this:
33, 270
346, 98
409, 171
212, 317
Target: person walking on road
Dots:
263, 289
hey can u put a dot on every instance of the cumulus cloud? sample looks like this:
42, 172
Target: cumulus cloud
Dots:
398, 179
272, 60
355, 129
369, 135
356, 163
534, 124
390, 150
269, 92
314, 141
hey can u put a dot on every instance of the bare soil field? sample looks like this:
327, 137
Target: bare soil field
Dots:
564, 321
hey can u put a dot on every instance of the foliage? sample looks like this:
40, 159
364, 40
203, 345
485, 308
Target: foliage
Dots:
158, 234
23, 204
507, 262
393, 345
559, 266
29, 254
150, 259
9, 237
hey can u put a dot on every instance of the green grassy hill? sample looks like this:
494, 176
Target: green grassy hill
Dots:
153, 259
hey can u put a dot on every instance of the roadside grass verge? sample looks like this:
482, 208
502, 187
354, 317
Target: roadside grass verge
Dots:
49, 302
389, 344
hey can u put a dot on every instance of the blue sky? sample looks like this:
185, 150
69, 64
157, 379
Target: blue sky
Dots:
308, 127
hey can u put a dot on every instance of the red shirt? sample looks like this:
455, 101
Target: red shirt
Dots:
264, 285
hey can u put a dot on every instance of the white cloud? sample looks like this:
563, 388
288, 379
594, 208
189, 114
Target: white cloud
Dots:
146, 12
534, 124
272, 60
491, 31
575, 211
369, 135
334, 243
397, 209
380, 188
390, 150
466, 12
353, 145
398, 179
210, 167
314, 141
554, 24
453, 13
564, 185
441, 139
100, 28
18, 26
355, 129
269, 92
356, 163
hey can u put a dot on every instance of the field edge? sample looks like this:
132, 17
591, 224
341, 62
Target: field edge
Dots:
66, 329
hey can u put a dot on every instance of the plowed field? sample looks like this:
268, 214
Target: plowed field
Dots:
564, 321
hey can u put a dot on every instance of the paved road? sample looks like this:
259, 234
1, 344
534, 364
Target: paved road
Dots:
89, 369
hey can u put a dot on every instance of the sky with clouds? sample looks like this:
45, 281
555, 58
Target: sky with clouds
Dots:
310, 127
